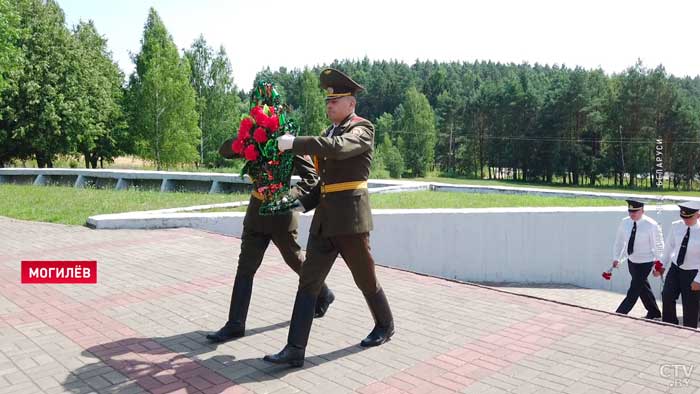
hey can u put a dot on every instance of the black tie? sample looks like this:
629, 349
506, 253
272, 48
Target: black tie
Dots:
630, 243
330, 133
684, 246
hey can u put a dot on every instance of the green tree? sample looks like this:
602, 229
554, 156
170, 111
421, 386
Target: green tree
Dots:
11, 58
677, 121
416, 123
449, 113
384, 126
39, 104
225, 107
200, 56
218, 105
10, 55
533, 122
631, 130
312, 116
392, 160
163, 109
100, 119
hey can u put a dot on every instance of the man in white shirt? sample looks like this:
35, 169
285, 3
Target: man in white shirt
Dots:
682, 257
639, 238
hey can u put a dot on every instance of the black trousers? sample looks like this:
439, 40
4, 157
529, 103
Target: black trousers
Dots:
640, 288
678, 283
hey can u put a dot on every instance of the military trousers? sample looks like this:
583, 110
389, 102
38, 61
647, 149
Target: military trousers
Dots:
321, 253
254, 244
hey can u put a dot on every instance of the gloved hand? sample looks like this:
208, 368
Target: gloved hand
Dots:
297, 206
285, 142
284, 206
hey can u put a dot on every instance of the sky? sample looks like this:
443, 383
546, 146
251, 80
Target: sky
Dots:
609, 34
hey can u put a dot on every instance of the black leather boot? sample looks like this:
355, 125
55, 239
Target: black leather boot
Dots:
299, 329
237, 313
324, 300
383, 320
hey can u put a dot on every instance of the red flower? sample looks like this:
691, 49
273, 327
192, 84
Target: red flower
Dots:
251, 154
607, 275
244, 128
259, 116
237, 146
255, 110
243, 134
260, 135
272, 123
658, 267
272, 110
246, 124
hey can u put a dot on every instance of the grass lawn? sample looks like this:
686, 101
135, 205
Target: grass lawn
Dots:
73, 206
68, 205
600, 189
428, 199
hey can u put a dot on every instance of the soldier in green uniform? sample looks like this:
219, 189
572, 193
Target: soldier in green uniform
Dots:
258, 231
343, 218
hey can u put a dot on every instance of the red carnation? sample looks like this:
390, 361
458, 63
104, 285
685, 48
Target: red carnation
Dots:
659, 267
237, 146
260, 135
246, 125
272, 123
251, 154
243, 134
259, 116
256, 111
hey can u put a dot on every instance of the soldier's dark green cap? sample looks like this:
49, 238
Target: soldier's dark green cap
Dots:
634, 205
337, 84
689, 208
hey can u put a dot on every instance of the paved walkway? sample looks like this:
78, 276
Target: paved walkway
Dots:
141, 329
568, 294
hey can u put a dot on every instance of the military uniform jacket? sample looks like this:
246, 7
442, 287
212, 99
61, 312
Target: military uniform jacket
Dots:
346, 156
288, 221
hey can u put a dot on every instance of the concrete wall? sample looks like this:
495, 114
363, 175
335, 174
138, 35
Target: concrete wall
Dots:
165, 181
537, 245
547, 245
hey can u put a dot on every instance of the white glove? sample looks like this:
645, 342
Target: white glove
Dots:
285, 142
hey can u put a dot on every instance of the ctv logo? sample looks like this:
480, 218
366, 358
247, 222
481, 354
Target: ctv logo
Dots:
56, 272
678, 373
